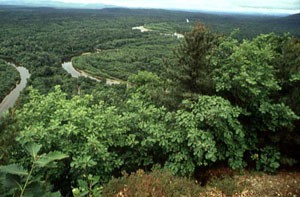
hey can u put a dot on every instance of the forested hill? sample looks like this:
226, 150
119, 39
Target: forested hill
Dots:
294, 16
249, 25
40, 38
292, 19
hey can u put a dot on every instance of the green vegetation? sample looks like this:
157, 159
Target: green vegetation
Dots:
216, 100
41, 38
9, 76
146, 53
160, 27
250, 75
156, 183
18, 181
227, 185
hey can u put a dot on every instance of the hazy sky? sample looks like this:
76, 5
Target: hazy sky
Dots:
277, 6
245, 6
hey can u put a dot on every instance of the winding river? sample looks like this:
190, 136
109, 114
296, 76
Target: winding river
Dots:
13, 96
68, 66
10, 100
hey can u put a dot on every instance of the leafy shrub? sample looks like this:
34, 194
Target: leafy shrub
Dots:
267, 160
89, 186
156, 183
205, 132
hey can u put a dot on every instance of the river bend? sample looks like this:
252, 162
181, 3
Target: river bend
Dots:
10, 100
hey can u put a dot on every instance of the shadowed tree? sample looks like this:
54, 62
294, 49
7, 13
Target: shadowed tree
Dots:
190, 72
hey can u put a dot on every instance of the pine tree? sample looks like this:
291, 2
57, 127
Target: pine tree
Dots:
190, 72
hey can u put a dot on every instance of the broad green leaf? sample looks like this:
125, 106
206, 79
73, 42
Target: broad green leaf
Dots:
13, 169
33, 149
52, 156
11, 181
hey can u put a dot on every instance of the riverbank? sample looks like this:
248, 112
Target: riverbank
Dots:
9, 78
11, 98
141, 28
144, 29
76, 73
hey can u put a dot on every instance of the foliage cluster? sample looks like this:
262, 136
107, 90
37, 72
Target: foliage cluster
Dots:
252, 75
102, 140
18, 181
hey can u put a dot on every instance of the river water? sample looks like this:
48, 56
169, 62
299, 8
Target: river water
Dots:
13, 96
10, 100
76, 73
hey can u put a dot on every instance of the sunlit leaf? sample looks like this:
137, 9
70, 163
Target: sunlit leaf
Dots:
14, 169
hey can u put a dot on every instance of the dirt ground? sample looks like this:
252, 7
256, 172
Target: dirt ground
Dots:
283, 183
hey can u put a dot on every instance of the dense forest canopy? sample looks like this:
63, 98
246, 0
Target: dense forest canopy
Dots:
218, 96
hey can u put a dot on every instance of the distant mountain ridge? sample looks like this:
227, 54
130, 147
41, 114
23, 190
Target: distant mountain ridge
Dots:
55, 4
293, 19
294, 16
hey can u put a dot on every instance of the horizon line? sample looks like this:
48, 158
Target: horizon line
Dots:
85, 6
